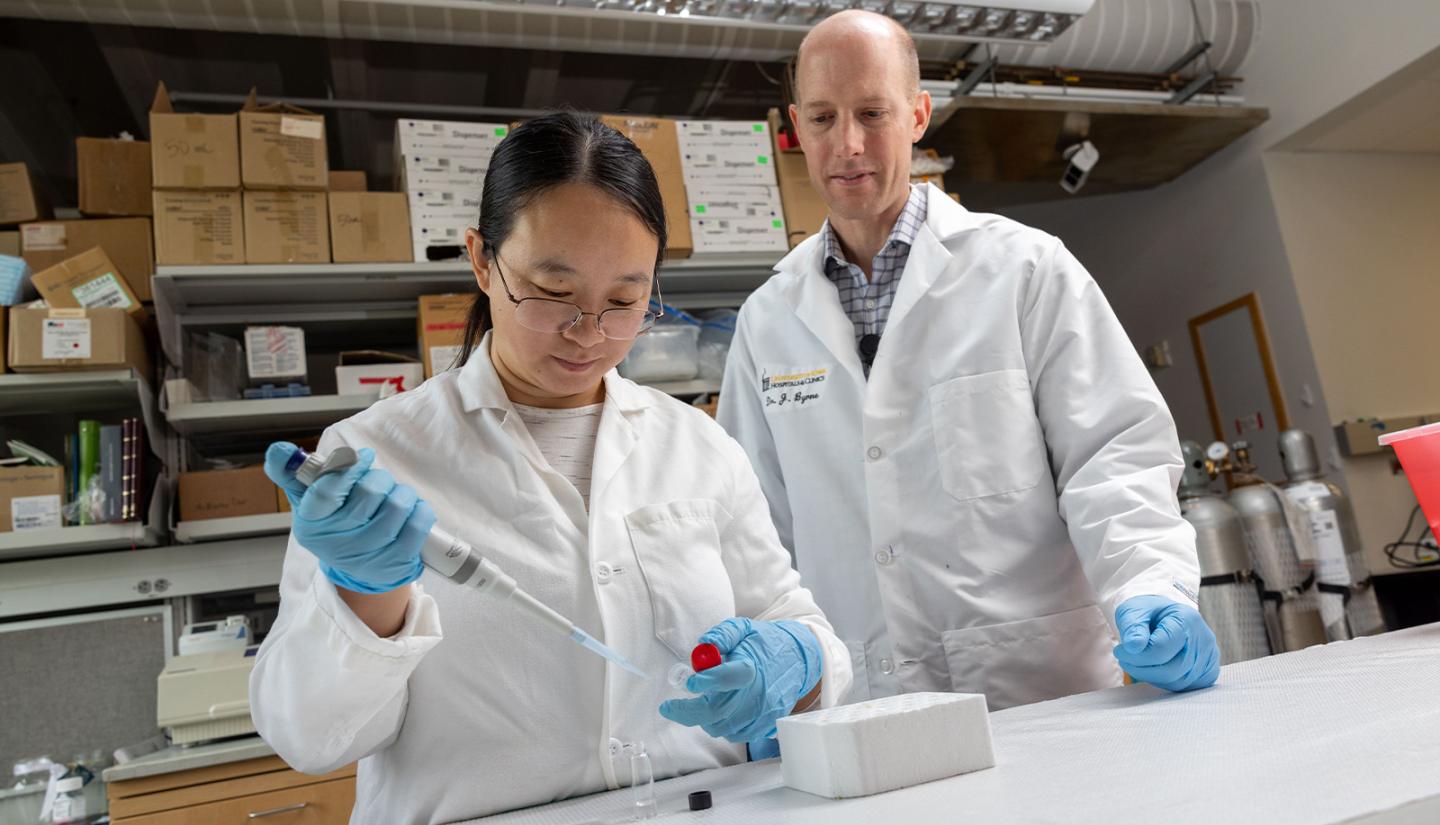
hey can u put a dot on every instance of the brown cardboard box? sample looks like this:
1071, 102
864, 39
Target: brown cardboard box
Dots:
192, 151
370, 227
126, 240
225, 494
114, 176
347, 181
199, 228
10, 243
97, 339
282, 501
87, 280
282, 147
441, 321
286, 227
805, 210
4, 341
29, 483
18, 200
656, 138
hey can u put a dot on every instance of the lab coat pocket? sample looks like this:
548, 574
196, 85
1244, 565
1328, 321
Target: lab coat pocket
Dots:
1032, 660
987, 437
677, 548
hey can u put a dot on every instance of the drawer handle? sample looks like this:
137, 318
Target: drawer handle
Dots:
273, 811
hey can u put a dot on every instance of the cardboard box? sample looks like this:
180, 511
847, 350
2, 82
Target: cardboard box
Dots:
727, 165
347, 181
286, 227
19, 201
369, 227
282, 501
189, 151
10, 243
114, 176
31, 497
440, 146
446, 200
126, 240
226, 494
805, 211
441, 326
4, 341
731, 202
89, 280
749, 134
657, 140
718, 235
63, 340
371, 372
282, 147
193, 227
275, 355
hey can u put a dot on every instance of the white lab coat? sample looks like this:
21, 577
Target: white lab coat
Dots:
499, 712
969, 517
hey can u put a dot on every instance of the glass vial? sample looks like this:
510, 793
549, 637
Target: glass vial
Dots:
642, 781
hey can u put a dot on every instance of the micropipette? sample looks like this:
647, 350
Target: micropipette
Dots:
461, 563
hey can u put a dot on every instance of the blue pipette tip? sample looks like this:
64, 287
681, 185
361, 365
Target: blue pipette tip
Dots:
594, 645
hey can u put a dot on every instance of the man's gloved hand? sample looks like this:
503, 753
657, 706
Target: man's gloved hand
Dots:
1166, 643
365, 530
768, 667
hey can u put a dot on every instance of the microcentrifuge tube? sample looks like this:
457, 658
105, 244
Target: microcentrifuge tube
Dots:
679, 674
642, 781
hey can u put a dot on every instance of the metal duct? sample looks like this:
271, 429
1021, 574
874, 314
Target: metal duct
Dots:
1149, 36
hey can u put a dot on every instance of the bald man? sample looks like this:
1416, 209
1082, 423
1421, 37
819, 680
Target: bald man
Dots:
959, 445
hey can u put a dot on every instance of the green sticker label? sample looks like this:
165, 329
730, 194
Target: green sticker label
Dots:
762, 160
759, 127
699, 208
501, 131
779, 224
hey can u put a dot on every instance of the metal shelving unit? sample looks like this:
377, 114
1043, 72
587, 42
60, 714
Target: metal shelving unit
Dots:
73, 392
237, 527
58, 541
200, 296
698, 386
312, 412
77, 582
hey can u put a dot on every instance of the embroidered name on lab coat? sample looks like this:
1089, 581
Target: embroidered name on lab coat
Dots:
793, 390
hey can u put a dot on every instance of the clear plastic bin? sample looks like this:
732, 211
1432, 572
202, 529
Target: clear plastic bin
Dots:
715, 335
668, 352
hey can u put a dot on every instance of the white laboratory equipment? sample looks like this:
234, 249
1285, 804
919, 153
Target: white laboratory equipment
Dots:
206, 696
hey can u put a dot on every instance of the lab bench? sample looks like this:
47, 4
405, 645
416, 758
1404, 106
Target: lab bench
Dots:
1342, 733
236, 781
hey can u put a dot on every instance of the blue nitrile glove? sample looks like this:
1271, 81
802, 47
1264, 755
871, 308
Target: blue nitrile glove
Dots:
1166, 643
768, 667
365, 530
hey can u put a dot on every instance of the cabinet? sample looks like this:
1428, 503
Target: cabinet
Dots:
256, 790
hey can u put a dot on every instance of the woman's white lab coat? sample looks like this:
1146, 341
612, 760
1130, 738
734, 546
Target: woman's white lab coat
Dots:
498, 712
971, 515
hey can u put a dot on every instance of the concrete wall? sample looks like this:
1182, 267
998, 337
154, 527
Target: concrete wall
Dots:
1166, 255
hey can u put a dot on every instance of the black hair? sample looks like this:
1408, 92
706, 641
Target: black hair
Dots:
551, 151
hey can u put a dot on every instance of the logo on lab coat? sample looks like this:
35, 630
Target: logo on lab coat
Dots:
792, 389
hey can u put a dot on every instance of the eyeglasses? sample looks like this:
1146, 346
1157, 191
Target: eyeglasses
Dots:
551, 315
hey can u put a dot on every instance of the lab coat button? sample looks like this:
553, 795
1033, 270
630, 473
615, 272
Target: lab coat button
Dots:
603, 572
883, 557
887, 667
874, 453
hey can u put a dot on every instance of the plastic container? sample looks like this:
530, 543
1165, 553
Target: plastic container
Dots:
716, 331
1418, 449
668, 352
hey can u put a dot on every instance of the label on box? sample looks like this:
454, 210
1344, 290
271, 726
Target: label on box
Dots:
302, 128
275, 352
441, 358
35, 512
102, 292
43, 237
65, 338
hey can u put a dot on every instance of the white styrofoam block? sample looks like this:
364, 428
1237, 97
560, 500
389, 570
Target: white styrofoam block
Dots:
885, 744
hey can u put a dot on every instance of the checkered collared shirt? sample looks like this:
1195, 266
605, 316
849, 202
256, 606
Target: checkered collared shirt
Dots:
868, 302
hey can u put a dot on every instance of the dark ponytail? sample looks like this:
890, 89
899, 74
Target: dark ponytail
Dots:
550, 151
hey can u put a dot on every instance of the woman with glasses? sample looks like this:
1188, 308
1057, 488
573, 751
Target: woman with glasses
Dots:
630, 513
